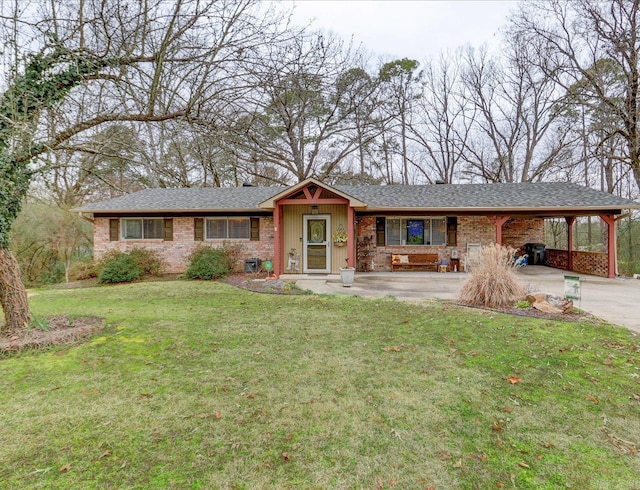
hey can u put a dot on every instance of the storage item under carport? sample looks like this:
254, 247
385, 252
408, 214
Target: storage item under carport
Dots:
535, 251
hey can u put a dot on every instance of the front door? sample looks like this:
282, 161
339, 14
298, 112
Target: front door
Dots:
317, 244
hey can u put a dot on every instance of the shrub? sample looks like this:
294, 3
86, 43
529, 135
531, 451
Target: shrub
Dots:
120, 268
493, 282
233, 252
209, 263
149, 261
83, 269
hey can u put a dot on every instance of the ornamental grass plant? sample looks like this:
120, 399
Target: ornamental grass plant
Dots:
494, 282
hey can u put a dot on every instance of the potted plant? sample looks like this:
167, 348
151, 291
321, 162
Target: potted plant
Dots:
347, 275
340, 237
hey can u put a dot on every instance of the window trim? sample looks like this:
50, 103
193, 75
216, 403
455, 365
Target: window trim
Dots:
142, 220
208, 219
404, 220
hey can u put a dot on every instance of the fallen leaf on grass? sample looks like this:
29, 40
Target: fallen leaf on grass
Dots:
146, 396
497, 426
635, 397
507, 409
218, 415
458, 464
286, 456
500, 484
106, 454
607, 362
514, 379
522, 464
592, 399
393, 348
65, 468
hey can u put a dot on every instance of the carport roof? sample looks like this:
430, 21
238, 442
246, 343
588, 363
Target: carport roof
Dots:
542, 197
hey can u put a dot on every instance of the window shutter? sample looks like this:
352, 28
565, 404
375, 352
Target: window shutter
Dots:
380, 232
452, 231
255, 229
114, 230
198, 229
168, 229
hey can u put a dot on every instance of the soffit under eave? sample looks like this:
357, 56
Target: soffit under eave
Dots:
542, 212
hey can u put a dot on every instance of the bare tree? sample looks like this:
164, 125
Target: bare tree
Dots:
298, 120
588, 42
402, 87
516, 136
443, 117
96, 63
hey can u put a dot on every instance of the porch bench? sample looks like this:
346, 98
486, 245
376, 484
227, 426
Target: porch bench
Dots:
413, 260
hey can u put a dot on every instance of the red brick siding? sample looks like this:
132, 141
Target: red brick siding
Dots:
595, 263
176, 253
471, 229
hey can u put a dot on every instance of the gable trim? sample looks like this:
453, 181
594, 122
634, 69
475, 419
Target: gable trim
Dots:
281, 197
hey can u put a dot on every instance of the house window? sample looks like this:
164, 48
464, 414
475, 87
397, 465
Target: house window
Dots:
228, 228
416, 231
142, 228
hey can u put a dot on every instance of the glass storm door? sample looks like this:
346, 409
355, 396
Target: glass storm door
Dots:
317, 244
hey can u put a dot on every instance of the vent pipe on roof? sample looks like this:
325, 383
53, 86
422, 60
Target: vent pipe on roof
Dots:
439, 181
247, 184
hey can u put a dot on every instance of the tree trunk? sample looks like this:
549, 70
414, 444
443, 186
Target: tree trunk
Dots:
13, 295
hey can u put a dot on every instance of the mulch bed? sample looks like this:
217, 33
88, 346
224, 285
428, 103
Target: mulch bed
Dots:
56, 330
574, 316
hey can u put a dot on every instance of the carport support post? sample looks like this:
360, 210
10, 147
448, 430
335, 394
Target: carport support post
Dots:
570, 220
277, 237
498, 221
351, 233
610, 220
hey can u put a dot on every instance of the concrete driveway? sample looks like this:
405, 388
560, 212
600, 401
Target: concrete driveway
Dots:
614, 300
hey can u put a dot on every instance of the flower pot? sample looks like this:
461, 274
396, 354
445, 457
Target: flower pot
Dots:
347, 275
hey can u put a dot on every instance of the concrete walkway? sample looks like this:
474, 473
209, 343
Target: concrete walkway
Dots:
614, 300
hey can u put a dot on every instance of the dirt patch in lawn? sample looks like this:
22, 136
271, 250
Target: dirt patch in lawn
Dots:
51, 331
261, 283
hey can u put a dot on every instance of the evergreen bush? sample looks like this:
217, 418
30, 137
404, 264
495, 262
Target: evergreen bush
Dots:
209, 263
120, 268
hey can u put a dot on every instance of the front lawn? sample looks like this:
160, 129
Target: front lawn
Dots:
198, 385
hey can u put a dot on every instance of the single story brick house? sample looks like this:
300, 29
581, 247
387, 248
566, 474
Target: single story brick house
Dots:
298, 227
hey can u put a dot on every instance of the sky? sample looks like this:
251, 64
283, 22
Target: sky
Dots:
418, 29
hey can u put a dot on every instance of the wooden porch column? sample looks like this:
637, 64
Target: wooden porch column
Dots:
498, 221
570, 220
610, 220
277, 240
351, 233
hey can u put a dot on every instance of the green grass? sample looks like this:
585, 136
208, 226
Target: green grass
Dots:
197, 385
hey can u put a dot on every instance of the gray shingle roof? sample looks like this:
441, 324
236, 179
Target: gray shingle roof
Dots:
187, 199
525, 195
439, 197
